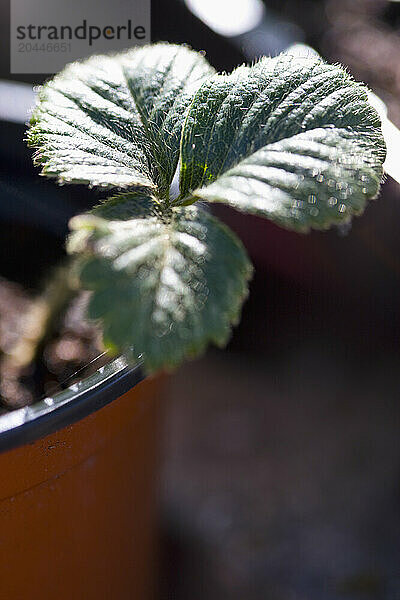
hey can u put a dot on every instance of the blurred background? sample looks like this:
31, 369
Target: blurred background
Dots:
280, 456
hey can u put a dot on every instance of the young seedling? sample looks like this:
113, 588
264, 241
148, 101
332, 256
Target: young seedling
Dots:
293, 140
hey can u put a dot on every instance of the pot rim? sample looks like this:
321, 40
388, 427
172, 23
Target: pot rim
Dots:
30, 423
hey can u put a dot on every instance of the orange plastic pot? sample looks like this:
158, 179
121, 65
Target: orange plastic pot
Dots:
77, 491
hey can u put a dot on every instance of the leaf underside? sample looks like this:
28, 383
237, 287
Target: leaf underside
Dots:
293, 140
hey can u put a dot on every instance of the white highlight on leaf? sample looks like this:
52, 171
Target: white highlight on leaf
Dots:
191, 242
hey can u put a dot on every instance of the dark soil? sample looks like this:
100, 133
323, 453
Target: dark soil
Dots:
66, 355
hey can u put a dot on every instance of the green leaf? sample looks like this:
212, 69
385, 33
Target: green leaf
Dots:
311, 180
294, 140
165, 282
116, 121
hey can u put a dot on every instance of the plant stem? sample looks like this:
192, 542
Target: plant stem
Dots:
43, 318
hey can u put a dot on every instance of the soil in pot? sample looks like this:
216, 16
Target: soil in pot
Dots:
71, 350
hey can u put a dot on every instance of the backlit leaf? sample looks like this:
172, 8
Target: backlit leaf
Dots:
294, 140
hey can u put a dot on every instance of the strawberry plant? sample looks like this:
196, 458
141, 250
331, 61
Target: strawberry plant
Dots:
293, 140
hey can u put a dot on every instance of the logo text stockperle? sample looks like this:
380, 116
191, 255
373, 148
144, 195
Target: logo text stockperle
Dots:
81, 32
